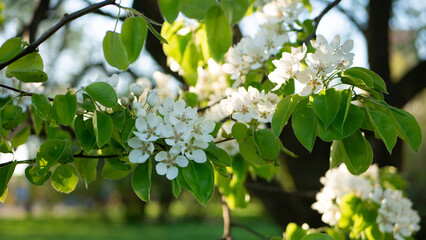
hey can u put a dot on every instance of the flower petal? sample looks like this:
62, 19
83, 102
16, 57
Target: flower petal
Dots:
181, 161
161, 168
135, 156
172, 172
134, 142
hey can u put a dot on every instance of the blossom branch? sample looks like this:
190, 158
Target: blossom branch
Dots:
23, 93
224, 140
318, 19
32, 47
80, 155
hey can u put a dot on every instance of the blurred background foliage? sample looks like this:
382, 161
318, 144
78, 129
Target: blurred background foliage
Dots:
392, 37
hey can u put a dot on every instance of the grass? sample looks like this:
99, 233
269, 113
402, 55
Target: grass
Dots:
87, 229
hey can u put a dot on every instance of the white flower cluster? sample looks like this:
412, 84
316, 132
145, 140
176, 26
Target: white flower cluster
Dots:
327, 59
395, 214
212, 84
23, 101
245, 105
179, 128
337, 183
252, 52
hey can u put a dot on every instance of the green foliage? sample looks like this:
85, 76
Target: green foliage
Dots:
196, 8
199, 177
283, 112
267, 144
27, 69
21, 137
102, 127
49, 154
141, 180
65, 108
303, 122
34, 177
219, 33
87, 169
64, 178
103, 93
235, 10
10, 49
169, 9
133, 35
326, 105
114, 51
294, 232
5, 175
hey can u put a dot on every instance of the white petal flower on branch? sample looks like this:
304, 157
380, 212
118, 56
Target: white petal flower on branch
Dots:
168, 162
149, 128
141, 150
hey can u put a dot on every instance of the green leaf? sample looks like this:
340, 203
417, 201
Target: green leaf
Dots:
317, 236
27, 69
378, 82
34, 177
169, 9
141, 180
342, 114
86, 137
10, 49
119, 164
199, 177
87, 103
64, 178
103, 93
65, 108
102, 126
235, 10
133, 35
217, 155
176, 187
156, 34
326, 105
5, 146
383, 127
267, 144
337, 153
359, 154
196, 8
42, 105
191, 99
239, 130
359, 75
21, 137
128, 129
407, 127
48, 154
118, 120
189, 63
36, 119
219, 33
354, 120
6, 173
294, 232
109, 172
11, 116
87, 169
3, 197
303, 122
283, 112
361, 84
114, 51
286, 151
248, 151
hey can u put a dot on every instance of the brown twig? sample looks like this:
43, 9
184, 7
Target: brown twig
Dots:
23, 93
224, 140
318, 19
32, 47
80, 155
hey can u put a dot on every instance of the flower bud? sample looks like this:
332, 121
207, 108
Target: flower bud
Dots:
137, 89
154, 98
124, 101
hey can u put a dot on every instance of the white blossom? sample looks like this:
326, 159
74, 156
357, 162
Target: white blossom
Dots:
168, 162
149, 128
141, 150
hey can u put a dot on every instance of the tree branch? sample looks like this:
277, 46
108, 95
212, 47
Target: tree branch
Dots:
318, 19
226, 220
24, 93
66, 19
39, 15
250, 230
31, 161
